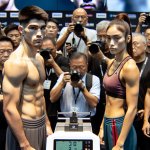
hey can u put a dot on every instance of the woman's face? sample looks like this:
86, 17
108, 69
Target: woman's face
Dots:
116, 40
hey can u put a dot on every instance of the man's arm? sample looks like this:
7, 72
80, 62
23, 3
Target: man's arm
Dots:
141, 20
15, 72
64, 35
57, 89
146, 124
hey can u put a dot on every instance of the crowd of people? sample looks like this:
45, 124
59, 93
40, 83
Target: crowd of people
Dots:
104, 72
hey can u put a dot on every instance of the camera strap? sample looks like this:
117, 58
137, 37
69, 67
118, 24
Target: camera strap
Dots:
74, 94
73, 42
48, 73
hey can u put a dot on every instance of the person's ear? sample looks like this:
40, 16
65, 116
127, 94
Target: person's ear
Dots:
21, 29
128, 38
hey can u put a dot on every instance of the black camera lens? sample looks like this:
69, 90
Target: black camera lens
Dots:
95, 46
45, 53
75, 76
78, 28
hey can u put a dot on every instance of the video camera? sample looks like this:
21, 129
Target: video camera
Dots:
78, 28
95, 46
45, 53
75, 76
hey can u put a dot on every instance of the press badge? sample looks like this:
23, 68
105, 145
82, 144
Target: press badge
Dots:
47, 84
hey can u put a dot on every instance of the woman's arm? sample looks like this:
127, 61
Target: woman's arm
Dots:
130, 74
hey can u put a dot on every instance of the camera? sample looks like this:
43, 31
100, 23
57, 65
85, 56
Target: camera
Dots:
75, 76
95, 46
147, 21
45, 53
78, 28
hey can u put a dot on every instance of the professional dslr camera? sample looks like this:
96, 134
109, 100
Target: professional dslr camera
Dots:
75, 76
78, 28
45, 53
95, 46
147, 21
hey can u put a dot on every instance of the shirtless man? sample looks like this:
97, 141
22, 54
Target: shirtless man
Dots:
24, 74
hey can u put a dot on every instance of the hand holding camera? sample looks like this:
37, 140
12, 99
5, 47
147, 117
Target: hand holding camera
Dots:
144, 18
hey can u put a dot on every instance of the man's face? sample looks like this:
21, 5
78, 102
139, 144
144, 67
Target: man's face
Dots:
80, 65
15, 36
138, 45
34, 32
47, 44
80, 15
147, 35
116, 40
51, 30
88, 4
6, 48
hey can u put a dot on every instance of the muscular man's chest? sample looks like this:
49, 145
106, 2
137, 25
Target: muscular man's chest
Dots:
36, 73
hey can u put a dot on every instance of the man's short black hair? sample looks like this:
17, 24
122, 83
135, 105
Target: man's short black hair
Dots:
54, 21
77, 55
32, 12
6, 39
46, 38
10, 27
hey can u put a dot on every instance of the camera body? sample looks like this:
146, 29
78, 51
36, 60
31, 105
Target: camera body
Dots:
147, 21
45, 53
75, 76
78, 28
95, 46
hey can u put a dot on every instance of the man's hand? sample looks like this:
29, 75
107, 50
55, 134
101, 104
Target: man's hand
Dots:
27, 147
67, 77
70, 28
116, 147
101, 136
78, 84
142, 18
146, 128
49, 130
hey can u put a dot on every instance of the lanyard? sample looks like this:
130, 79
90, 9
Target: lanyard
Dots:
143, 66
76, 96
73, 41
48, 73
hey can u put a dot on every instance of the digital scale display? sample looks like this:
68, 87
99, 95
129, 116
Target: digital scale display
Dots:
73, 144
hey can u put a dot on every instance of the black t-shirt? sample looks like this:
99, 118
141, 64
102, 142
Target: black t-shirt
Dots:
63, 63
144, 83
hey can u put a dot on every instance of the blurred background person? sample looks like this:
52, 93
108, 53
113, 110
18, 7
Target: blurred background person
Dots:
91, 4
6, 48
144, 19
13, 33
54, 66
8, 5
142, 118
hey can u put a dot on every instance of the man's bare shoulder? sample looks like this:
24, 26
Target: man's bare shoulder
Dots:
15, 67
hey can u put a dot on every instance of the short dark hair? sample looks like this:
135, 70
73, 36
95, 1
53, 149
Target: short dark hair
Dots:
32, 12
54, 21
49, 39
6, 39
10, 27
77, 55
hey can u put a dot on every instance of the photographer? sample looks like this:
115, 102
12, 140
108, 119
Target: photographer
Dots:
76, 34
74, 94
55, 64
